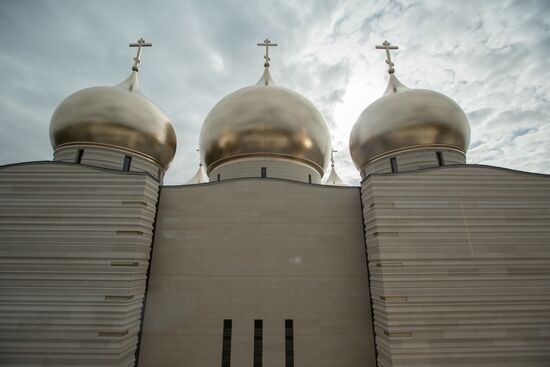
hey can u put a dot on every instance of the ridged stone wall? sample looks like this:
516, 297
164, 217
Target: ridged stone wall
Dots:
74, 251
460, 266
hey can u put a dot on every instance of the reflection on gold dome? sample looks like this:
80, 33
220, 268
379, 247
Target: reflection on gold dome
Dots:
265, 120
117, 116
406, 118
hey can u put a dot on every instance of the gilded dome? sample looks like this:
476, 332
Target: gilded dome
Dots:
265, 120
406, 118
119, 116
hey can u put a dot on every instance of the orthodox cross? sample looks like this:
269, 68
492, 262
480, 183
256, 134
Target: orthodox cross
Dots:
267, 43
387, 46
140, 43
332, 157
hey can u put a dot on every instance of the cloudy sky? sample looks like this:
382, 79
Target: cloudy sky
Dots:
489, 56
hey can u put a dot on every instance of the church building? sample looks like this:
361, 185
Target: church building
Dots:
266, 258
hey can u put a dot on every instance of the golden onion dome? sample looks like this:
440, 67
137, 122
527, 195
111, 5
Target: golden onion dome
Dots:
406, 118
265, 120
119, 116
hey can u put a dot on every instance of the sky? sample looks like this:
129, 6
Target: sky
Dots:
491, 57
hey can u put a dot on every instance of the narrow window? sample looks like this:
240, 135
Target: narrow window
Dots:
289, 343
264, 172
440, 160
219, 177
126, 164
393, 162
226, 346
79, 155
309, 178
258, 340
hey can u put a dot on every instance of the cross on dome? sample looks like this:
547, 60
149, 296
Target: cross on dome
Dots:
140, 43
387, 46
267, 43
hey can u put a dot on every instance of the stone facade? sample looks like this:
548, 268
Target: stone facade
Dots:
459, 259
74, 250
258, 249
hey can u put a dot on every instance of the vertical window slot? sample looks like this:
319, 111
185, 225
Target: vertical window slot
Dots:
79, 155
258, 342
393, 163
289, 343
226, 344
440, 160
264, 172
127, 163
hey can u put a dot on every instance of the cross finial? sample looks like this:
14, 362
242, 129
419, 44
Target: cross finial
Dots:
387, 46
332, 157
267, 43
140, 43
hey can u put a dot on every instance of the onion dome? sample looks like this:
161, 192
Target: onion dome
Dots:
406, 118
118, 116
265, 120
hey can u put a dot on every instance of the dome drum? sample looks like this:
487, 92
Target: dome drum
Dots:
414, 158
108, 156
266, 166
266, 156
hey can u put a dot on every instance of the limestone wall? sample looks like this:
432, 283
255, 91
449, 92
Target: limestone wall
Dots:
258, 249
74, 249
460, 266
